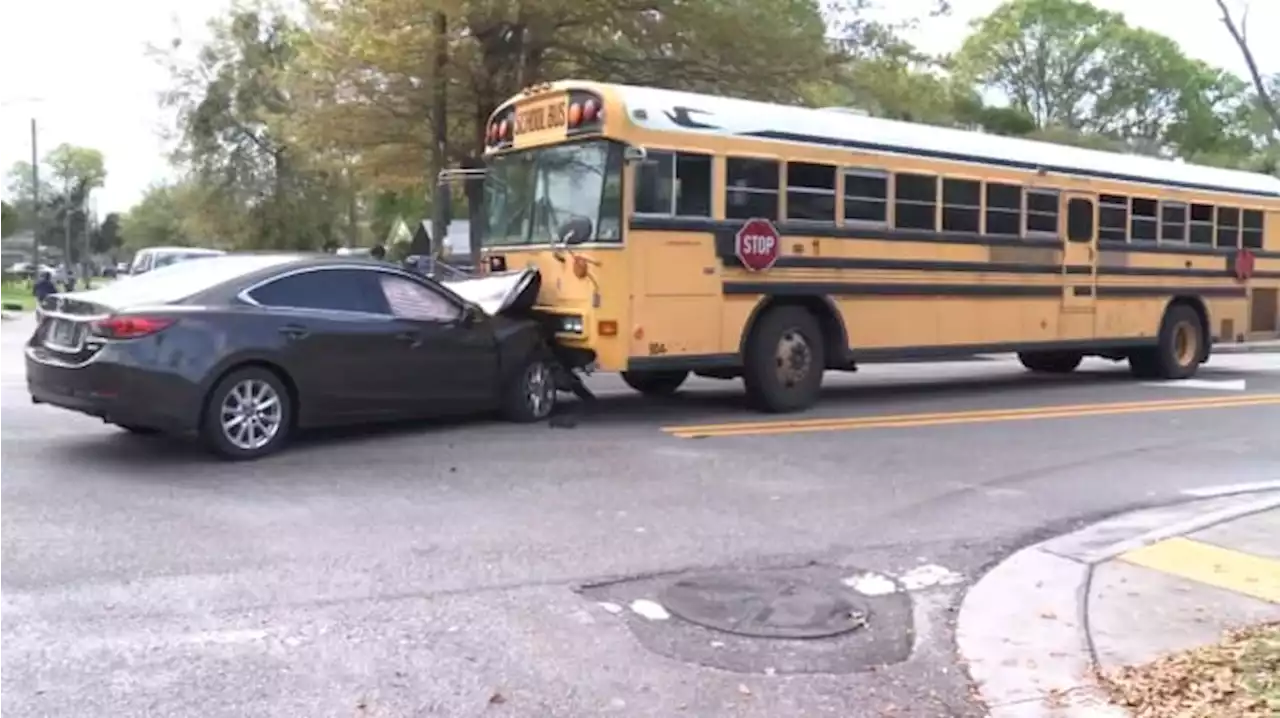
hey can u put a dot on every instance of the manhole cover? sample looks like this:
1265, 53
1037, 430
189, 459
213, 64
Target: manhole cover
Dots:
765, 605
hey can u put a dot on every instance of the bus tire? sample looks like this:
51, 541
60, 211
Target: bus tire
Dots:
1179, 349
655, 382
1051, 362
784, 361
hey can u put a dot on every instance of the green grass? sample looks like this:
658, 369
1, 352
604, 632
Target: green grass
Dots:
19, 294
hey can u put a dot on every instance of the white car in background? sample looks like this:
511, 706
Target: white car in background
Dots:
155, 257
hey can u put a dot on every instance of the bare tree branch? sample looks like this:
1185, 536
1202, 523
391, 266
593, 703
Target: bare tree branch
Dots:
1265, 100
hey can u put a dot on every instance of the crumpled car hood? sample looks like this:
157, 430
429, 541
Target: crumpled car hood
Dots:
498, 293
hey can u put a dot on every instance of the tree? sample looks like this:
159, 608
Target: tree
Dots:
9, 219
1075, 69
1266, 99
106, 236
231, 102
369, 94
156, 219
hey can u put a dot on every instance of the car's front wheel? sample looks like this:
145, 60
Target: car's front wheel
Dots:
531, 393
248, 415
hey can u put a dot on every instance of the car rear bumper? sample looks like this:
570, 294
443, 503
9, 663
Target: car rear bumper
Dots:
113, 392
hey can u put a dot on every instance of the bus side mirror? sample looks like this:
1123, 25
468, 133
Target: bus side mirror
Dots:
575, 231
634, 153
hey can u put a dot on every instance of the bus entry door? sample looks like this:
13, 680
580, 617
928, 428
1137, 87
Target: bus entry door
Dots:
1079, 260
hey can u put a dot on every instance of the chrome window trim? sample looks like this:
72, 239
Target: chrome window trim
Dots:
246, 295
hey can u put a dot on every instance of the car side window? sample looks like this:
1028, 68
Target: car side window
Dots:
347, 290
418, 302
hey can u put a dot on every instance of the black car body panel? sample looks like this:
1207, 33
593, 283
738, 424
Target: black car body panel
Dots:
339, 366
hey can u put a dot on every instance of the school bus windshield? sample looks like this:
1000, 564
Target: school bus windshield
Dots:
529, 194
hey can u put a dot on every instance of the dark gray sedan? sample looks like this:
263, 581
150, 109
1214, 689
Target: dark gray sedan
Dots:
244, 349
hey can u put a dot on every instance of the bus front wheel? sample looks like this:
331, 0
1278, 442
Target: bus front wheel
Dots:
655, 382
784, 361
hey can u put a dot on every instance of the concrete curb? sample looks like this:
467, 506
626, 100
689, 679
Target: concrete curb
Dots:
1023, 629
1248, 348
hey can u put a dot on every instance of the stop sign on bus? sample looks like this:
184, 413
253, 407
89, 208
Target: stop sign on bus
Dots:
757, 244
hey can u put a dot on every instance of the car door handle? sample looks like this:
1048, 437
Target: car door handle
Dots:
294, 332
413, 339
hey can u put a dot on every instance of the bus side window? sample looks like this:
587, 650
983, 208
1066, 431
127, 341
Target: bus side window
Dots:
751, 188
655, 184
1253, 226
1004, 209
693, 185
1079, 220
915, 201
811, 192
674, 183
1173, 222
866, 196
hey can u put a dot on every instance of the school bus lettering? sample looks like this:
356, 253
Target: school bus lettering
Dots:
546, 116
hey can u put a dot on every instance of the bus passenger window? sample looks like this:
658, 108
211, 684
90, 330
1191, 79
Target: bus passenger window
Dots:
1004, 209
1113, 218
655, 183
1252, 229
866, 196
811, 192
673, 183
1042, 211
1173, 222
752, 188
915, 201
1080, 220
1228, 227
1144, 220
693, 185
961, 205
1202, 224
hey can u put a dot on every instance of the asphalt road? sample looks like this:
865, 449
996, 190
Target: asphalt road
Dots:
487, 569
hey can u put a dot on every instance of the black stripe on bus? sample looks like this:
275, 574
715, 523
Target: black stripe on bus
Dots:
994, 162
911, 265
872, 289
905, 289
724, 229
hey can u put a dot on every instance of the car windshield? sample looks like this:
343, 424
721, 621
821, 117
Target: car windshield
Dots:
530, 194
164, 259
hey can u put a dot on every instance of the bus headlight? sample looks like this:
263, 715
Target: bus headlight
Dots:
570, 324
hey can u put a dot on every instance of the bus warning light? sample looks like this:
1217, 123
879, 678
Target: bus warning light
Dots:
757, 244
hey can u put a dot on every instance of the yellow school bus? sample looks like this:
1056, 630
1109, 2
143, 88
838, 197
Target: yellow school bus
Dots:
678, 233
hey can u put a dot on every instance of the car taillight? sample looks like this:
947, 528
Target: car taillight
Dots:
127, 327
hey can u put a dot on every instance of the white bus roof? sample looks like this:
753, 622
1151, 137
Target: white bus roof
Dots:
673, 111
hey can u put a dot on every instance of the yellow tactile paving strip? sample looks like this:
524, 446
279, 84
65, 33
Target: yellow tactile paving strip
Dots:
1212, 565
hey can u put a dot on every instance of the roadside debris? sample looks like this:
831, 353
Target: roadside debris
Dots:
1239, 677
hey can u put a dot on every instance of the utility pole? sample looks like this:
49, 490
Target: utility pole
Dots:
35, 200
438, 188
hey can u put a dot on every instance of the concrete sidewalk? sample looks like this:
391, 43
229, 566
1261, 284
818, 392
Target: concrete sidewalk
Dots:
1270, 346
1125, 591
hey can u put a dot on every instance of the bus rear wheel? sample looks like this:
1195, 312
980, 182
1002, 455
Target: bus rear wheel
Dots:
1051, 362
655, 382
784, 361
1179, 349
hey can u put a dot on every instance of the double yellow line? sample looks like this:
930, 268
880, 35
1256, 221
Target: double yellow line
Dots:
906, 421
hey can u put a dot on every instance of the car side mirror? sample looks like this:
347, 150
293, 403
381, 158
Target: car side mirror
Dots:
576, 230
472, 315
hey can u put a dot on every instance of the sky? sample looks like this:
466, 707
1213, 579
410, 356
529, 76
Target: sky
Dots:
103, 91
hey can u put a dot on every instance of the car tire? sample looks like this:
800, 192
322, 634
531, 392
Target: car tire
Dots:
138, 430
268, 419
1051, 362
795, 332
530, 395
655, 383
